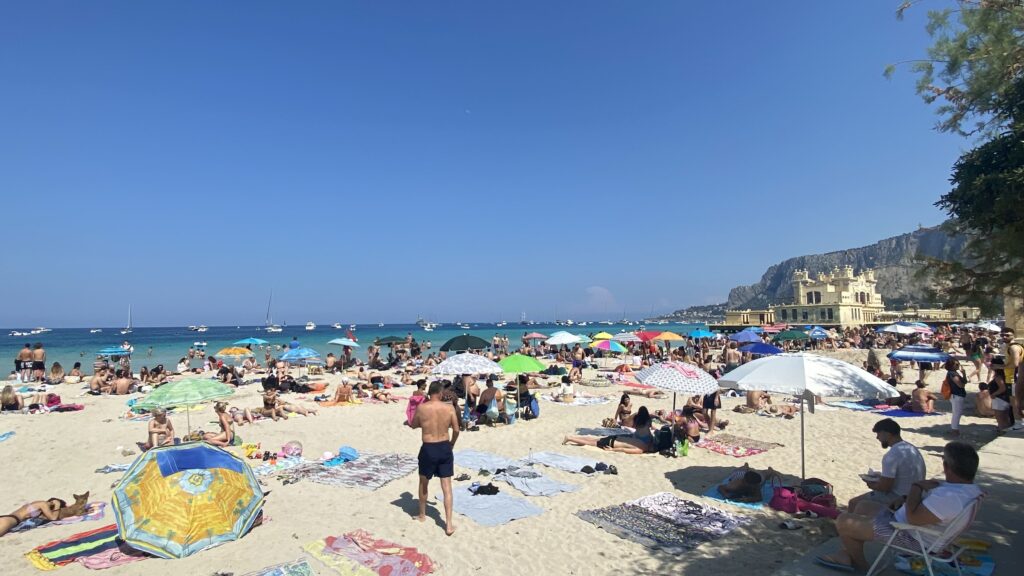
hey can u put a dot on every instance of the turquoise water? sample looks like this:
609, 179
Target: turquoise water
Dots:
70, 345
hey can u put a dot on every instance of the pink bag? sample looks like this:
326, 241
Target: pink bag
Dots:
784, 500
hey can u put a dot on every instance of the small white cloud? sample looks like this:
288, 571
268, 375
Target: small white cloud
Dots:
598, 300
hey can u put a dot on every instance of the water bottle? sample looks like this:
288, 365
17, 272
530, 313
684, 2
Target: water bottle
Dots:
684, 448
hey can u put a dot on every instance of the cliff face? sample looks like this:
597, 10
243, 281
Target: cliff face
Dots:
894, 261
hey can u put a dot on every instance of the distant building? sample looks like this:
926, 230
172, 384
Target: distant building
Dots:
841, 298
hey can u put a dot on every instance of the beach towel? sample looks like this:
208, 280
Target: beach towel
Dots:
766, 495
578, 400
476, 460
380, 556
493, 510
113, 468
369, 472
122, 554
283, 464
339, 564
560, 461
93, 511
636, 385
661, 523
294, 568
533, 483
604, 431
898, 413
6, 435
61, 552
972, 564
410, 408
735, 446
857, 406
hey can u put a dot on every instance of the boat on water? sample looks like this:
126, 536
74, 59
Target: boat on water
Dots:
336, 325
95, 330
40, 330
128, 329
428, 328
310, 326
380, 324
269, 325
351, 326
192, 328
199, 344
201, 329
462, 325
17, 333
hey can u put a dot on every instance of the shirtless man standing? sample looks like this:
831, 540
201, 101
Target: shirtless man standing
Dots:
732, 358
23, 362
38, 362
435, 417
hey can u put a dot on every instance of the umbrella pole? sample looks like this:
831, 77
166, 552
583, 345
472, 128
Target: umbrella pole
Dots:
803, 464
673, 402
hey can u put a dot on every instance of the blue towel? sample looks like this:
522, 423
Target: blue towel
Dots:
766, 496
851, 405
533, 483
560, 461
476, 460
897, 413
6, 435
493, 510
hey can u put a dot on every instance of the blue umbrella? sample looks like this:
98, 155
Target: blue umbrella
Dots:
745, 336
254, 341
755, 329
761, 349
345, 342
919, 353
701, 333
818, 333
300, 355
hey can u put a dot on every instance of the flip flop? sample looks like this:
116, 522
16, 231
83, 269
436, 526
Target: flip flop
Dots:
789, 525
834, 565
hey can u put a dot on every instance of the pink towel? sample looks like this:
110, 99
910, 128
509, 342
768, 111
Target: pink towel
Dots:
410, 409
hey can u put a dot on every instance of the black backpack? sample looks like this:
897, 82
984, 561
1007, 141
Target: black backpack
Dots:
663, 438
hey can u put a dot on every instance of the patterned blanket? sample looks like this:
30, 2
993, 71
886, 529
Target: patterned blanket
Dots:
735, 446
295, 568
370, 471
665, 522
60, 552
359, 553
578, 400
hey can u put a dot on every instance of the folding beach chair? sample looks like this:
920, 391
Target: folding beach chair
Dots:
942, 548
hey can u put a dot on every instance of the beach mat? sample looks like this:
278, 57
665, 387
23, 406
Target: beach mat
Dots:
358, 552
857, 406
533, 483
93, 511
897, 413
493, 510
560, 461
369, 472
294, 568
664, 522
58, 553
735, 446
477, 460
766, 495
578, 400
109, 558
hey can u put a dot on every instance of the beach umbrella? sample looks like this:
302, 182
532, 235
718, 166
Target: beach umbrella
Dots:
300, 355
678, 377
989, 326
603, 336
818, 333
626, 337
536, 336
234, 352
791, 335
174, 501
919, 353
465, 342
669, 337
647, 335
467, 363
252, 341
775, 328
390, 340
609, 345
560, 338
897, 329
803, 374
583, 339
185, 392
745, 336
761, 349
701, 333
520, 363
345, 342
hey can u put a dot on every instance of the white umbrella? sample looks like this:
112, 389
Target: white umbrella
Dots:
678, 377
467, 363
626, 337
560, 338
990, 327
898, 329
801, 374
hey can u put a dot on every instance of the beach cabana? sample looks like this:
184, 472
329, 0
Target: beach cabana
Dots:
806, 376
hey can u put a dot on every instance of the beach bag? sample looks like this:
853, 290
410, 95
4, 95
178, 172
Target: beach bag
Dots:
784, 499
816, 494
663, 439
52, 400
492, 410
947, 390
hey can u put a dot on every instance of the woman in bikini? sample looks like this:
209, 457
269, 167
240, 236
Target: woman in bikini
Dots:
639, 442
227, 432
624, 412
272, 407
48, 509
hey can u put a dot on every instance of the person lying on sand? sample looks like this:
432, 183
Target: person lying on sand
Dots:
48, 509
639, 442
744, 484
161, 430
645, 393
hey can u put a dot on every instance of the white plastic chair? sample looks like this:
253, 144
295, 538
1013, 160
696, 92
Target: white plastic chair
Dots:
942, 548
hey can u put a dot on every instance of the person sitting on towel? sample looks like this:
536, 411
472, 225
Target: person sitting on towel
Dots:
488, 407
922, 400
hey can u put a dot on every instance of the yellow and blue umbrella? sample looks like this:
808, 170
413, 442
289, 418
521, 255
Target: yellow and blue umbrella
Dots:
175, 501
234, 352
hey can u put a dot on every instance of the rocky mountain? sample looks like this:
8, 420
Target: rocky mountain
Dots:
895, 261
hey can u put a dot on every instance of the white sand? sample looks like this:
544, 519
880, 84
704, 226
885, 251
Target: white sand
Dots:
55, 455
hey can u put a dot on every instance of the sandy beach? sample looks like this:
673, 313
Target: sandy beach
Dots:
56, 455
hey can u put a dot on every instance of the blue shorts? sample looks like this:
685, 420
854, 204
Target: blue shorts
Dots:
437, 459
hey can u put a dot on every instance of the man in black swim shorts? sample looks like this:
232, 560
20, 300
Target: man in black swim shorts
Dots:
435, 418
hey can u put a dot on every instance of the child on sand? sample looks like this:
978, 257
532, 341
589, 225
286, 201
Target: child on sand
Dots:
161, 431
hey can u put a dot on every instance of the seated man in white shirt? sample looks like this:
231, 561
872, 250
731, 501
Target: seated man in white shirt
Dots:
902, 465
929, 503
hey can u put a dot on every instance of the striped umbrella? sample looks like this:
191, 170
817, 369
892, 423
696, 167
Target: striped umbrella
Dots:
609, 345
678, 377
626, 337
467, 363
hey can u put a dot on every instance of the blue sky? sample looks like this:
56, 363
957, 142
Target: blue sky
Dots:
371, 161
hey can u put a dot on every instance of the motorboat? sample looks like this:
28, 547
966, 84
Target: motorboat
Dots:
40, 330
274, 329
310, 326
351, 326
199, 344
202, 329
380, 324
336, 325
16, 333
192, 328
95, 330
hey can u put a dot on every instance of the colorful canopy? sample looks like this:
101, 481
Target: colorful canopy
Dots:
467, 363
678, 377
603, 336
609, 345
177, 500
186, 392
745, 336
235, 352
520, 363
465, 342
345, 342
647, 335
626, 337
302, 354
761, 349
669, 336
253, 341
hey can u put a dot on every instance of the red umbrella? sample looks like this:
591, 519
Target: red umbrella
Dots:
647, 335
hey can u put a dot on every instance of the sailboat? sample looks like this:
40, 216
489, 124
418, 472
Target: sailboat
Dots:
128, 329
270, 326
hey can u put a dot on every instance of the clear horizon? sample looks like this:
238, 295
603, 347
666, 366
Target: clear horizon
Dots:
373, 162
